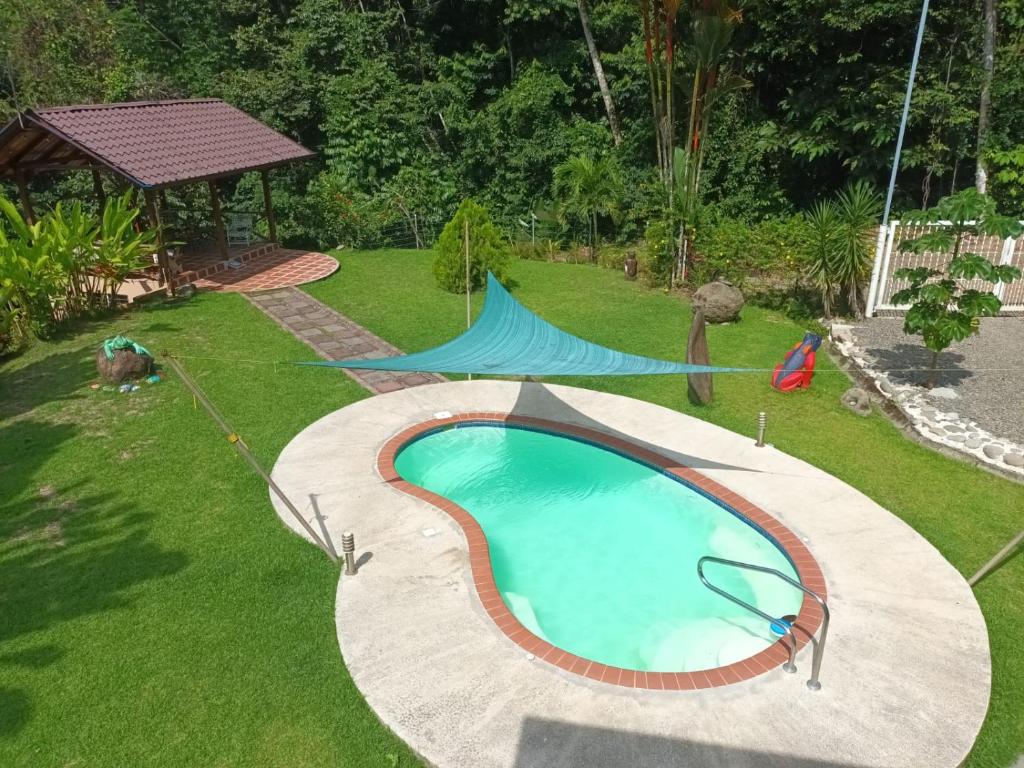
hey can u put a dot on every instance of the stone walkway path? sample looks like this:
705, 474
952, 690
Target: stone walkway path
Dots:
334, 337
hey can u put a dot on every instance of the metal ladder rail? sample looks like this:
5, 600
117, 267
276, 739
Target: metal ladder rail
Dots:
819, 647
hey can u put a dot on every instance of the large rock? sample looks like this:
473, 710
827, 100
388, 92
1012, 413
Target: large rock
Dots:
699, 387
857, 400
720, 301
125, 365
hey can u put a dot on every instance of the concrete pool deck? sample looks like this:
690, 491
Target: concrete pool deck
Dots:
906, 672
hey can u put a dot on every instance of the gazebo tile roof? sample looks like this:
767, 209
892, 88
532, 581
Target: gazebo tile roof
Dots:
160, 143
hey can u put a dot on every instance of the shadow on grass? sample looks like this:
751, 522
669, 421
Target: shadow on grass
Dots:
15, 710
63, 557
59, 376
64, 554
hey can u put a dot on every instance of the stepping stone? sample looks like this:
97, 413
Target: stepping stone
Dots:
992, 450
1014, 459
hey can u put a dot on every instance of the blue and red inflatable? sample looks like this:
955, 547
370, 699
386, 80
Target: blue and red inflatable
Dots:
797, 369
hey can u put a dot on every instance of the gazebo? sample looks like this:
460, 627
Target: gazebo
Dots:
152, 146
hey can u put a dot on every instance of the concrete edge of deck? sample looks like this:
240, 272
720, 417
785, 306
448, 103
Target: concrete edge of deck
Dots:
906, 676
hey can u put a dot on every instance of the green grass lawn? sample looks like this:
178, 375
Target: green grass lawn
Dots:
154, 611
968, 514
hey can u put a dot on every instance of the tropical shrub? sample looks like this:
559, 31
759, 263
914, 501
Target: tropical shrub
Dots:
820, 246
838, 248
942, 310
488, 250
657, 258
66, 264
738, 251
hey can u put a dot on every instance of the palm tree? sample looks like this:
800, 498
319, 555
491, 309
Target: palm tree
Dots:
587, 187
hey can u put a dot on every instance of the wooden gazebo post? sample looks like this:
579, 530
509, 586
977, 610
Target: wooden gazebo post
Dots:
97, 188
218, 221
268, 207
26, 200
153, 214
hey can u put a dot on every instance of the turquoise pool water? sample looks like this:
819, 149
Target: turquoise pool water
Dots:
597, 553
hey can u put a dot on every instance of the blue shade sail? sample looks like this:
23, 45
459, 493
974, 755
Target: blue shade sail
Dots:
507, 338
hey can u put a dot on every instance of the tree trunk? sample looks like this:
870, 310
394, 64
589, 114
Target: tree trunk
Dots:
602, 81
988, 58
934, 372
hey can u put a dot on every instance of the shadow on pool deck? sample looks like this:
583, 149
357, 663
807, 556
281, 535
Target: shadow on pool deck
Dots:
536, 400
556, 744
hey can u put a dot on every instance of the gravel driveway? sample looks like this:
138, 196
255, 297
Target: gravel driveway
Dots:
986, 372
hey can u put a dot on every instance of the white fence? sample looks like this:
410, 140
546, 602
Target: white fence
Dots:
889, 258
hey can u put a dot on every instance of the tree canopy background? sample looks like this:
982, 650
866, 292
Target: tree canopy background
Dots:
413, 105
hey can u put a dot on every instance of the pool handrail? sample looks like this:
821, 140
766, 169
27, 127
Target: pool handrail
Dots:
819, 645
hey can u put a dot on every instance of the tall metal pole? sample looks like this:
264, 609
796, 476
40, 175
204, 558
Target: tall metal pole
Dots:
906, 112
465, 240
465, 243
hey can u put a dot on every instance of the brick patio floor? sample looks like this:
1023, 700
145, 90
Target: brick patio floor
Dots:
277, 269
334, 337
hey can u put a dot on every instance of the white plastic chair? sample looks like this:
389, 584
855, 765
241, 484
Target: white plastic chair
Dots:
239, 226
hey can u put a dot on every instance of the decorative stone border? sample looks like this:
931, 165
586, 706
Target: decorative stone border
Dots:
807, 622
946, 428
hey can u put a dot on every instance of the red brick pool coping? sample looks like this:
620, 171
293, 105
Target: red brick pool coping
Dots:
807, 622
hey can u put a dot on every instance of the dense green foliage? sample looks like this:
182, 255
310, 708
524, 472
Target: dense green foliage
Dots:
414, 106
64, 265
739, 252
488, 251
942, 309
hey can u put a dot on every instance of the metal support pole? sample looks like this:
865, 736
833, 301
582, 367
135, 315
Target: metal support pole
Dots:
469, 320
762, 422
348, 549
906, 112
1000, 556
243, 449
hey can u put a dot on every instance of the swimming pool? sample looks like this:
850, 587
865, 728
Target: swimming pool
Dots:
594, 552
